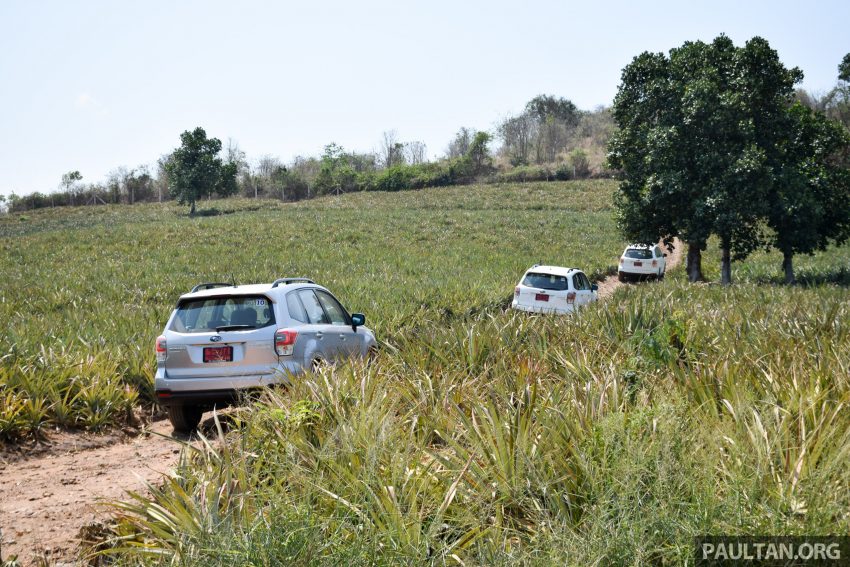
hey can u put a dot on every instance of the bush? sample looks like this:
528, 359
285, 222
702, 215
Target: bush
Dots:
524, 173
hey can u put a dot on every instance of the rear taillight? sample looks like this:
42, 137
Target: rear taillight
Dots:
571, 297
284, 342
622, 259
516, 291
654, 263
161, 349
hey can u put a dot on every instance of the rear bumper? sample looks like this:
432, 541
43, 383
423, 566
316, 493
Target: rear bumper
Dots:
221, 390
643, 271
569, 308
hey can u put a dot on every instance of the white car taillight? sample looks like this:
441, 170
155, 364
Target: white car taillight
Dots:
161, 349
284, 342
516, 291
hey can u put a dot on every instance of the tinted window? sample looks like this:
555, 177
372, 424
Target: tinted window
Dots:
296, 310
546, 281
580, 282
658, 252
212, 313
332, 307
639, 253
315, 313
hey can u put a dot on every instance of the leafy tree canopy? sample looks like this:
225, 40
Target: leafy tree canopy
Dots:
697, 144
195, 169
844, 69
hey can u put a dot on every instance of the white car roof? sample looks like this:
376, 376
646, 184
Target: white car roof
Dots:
552, 270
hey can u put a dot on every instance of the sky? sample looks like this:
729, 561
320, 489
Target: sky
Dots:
92, 86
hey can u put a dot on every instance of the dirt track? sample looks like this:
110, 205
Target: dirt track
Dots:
47, 498
609, 284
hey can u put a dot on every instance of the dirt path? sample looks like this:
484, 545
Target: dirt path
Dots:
611, 283
46, 500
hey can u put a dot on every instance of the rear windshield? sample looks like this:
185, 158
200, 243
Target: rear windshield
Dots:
231, 313
639, 253
546, 281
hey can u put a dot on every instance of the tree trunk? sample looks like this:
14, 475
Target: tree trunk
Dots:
192, 208
694, 267
788, 267
725, 264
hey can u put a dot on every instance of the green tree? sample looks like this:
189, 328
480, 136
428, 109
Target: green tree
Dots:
69, 183
810, 201
844, 69
478, 153
195, 169
697, 145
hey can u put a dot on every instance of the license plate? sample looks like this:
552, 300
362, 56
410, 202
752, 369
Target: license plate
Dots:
218, 354
638, 264
541, 297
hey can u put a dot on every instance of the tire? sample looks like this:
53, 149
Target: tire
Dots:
661, 276
184, 419
621, 277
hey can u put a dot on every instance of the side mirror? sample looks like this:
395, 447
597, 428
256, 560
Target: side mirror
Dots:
594, 287
665, 254
357, 320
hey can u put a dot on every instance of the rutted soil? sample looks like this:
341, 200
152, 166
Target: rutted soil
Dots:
45, 500
50, 492
611, 283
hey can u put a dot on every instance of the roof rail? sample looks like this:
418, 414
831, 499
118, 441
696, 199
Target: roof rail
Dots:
203, 286
286, 281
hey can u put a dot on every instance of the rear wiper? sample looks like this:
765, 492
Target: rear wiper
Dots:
233, 328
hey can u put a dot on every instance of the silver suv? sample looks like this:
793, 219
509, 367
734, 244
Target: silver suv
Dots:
223, 339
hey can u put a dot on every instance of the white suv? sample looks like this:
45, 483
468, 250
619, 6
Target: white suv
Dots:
552, 289
642, 261
223, 339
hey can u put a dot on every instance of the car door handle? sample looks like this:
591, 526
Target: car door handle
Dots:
341, 337
319, 335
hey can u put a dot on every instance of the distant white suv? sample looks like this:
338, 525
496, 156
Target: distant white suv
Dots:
223, 339
552, 289
642, 261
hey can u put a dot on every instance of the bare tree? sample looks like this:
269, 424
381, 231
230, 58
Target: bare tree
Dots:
266, 166
234, 154
391, 151
69, 184
517, 133
416, 152
461, 142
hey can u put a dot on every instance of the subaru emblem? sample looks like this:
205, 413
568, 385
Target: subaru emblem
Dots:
215, 338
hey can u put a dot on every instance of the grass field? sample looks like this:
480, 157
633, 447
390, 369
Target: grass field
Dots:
480, 436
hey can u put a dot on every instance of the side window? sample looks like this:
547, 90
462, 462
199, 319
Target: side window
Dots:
332, 307
315, 313
658, 253
580, 282
296, 310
